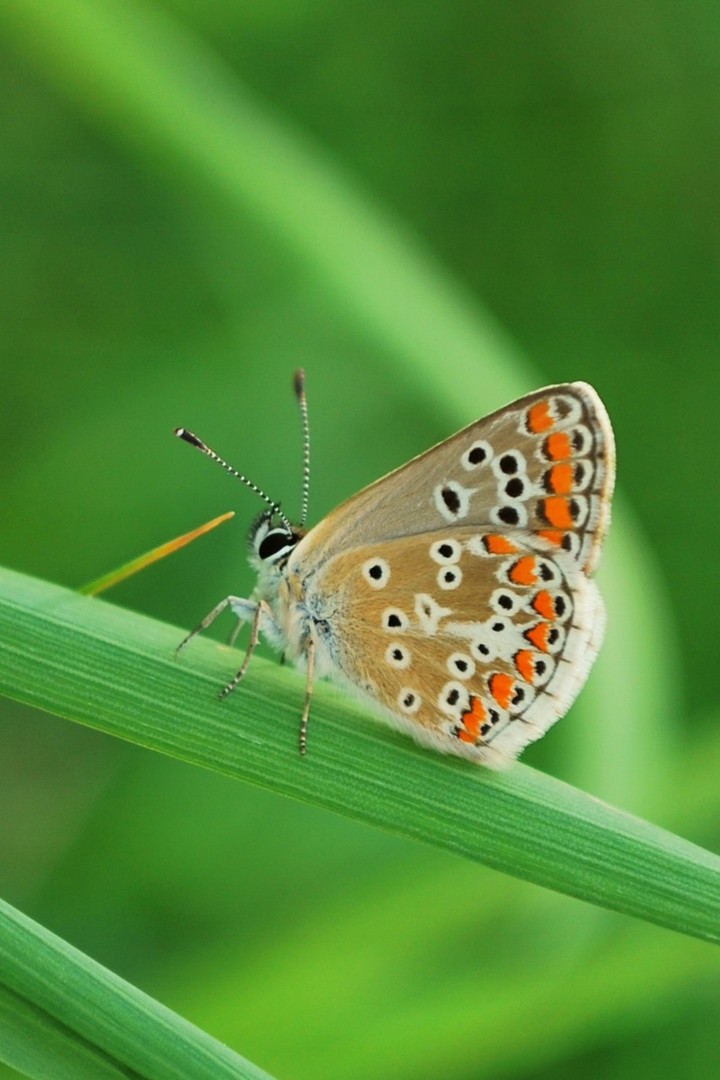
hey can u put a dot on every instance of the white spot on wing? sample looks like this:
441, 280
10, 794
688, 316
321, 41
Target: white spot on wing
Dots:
581, 441
454, 698
565, 409
397, 656
462, 665
376, 572
476, 455
409, 701
449, 577
445, 551
429, 612
516, 519
397, 616
452, 500
511, 463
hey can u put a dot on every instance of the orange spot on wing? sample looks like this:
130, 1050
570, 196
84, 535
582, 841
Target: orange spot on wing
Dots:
543, 604
502, 688
473, 719
557, 446
538, 636
560, 479
498, 545
539, 417
523, 571
553, 536
525, 665
556, 510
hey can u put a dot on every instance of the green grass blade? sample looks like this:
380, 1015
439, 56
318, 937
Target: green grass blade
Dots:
114, 670
37, 1045
64, 1016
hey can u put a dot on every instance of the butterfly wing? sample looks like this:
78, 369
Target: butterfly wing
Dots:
455, 591
473, 645
545, 463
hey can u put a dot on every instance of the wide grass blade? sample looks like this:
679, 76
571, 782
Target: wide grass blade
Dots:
114, 670
64, 1017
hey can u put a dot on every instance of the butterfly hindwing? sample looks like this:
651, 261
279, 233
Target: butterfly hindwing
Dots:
474, 647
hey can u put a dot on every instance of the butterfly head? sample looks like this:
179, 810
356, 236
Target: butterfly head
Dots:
271, 540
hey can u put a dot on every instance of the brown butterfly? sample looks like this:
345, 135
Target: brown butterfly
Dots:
455, 593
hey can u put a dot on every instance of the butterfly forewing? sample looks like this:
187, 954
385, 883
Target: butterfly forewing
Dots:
544, 463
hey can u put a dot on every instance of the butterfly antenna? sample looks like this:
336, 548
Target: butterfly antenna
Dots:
183, 433
299, 387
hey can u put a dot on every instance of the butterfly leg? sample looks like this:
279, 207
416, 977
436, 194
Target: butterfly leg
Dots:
261, 610
238, 605
236, 630
310, 655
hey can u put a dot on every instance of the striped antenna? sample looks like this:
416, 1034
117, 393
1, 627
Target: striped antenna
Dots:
299, 387
183, 433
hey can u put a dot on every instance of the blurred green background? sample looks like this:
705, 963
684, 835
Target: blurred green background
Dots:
555, 164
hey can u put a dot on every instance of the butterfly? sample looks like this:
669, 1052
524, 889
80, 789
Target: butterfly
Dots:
456, 592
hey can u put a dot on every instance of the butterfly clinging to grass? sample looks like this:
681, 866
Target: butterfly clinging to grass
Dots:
456, 592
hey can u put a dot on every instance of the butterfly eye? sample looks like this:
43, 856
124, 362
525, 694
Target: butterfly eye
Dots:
275, 542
